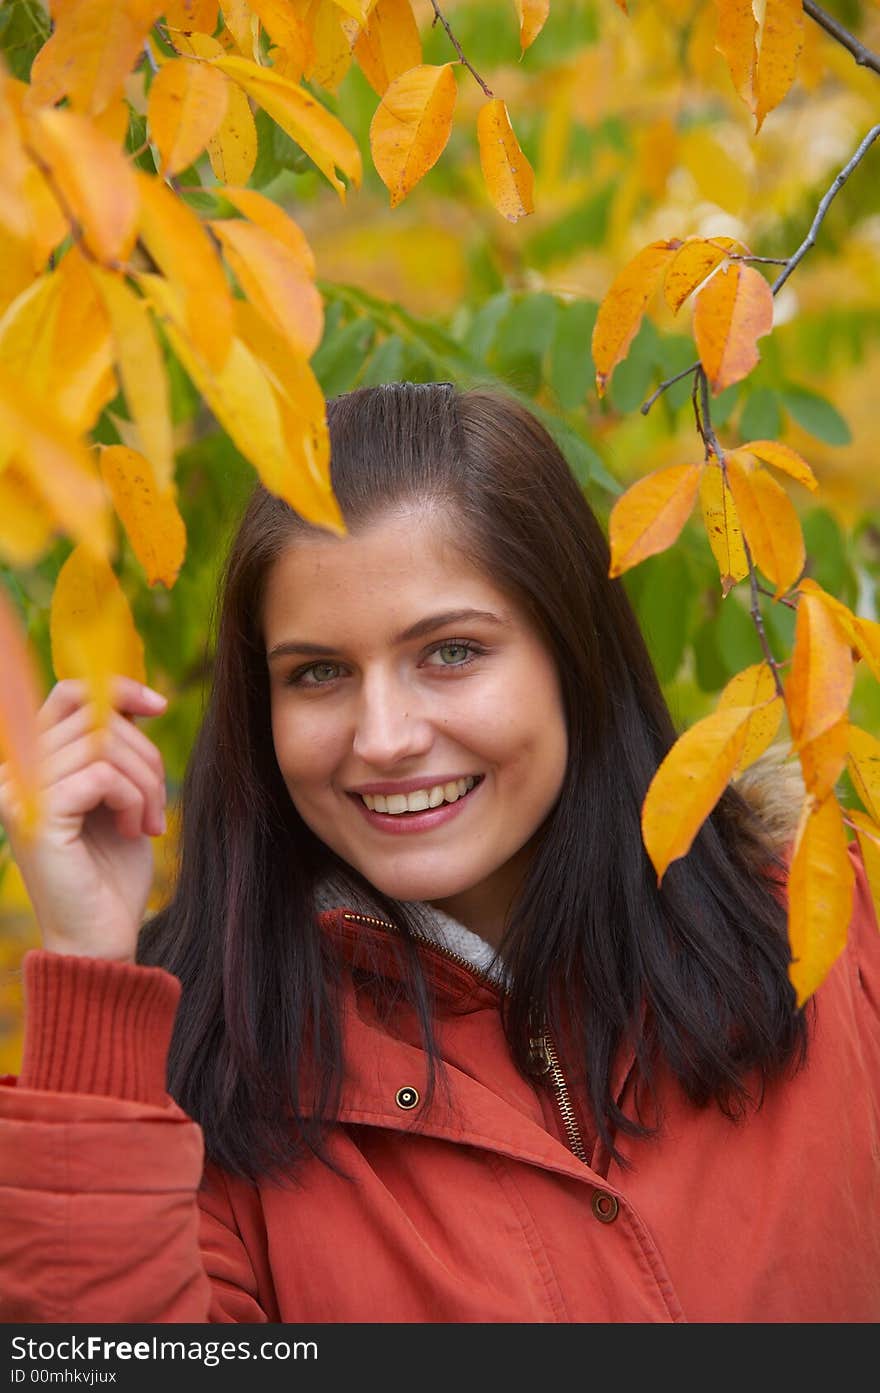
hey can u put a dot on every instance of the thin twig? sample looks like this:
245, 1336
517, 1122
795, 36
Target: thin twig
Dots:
835, 188
670, 381
863, 56
150, 59
438, 14
789, 604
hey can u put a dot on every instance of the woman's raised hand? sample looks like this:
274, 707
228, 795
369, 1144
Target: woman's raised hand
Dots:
89, 867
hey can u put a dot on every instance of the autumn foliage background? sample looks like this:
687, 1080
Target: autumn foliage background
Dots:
213, 217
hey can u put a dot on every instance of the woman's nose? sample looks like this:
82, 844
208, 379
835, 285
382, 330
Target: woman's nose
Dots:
391, 724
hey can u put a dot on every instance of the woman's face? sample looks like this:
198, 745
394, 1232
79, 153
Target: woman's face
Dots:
416, 713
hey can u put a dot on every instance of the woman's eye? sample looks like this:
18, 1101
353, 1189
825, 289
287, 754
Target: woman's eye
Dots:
317, 675
454, 654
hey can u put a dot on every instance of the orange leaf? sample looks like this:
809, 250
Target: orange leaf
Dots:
19, 707
274, 281
389, 45
689, 782
863, 763
411, 126
141, 368
266, 214
723, 527
820, 890
93, 177
822, 759
91, 628
186, 105
323, 138
621, 311
83, 381
780, 40
650, 515
532, 18
730, 314
93, 48
509, 176
192, 14
769, 521
863, 634
26, 524
232, 150
330, 58
693, 262
737, 40
784, 458
754, 688
821, 679
148, 512
181, 248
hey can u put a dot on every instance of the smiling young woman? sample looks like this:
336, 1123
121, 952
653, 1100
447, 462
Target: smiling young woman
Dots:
451, 1052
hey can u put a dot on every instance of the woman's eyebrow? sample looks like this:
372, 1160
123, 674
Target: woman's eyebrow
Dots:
297, 647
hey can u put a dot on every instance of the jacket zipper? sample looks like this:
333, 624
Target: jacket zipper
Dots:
542, 1046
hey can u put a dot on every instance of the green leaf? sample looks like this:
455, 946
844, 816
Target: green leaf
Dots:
24, 28
827, 555
710, 669
663, 605
737, 638
571, 364
480, 334
340, 358
816, 414
386, 364
761, 418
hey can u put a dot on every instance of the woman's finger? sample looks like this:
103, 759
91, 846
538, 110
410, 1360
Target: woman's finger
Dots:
101, 782
125, 695
82, 722
106, 747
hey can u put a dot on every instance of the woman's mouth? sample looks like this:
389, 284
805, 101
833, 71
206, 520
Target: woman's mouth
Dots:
420, 809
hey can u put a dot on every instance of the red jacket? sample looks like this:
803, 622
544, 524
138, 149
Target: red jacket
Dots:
479, 1211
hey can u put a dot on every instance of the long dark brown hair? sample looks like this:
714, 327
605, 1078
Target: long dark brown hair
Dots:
692, 976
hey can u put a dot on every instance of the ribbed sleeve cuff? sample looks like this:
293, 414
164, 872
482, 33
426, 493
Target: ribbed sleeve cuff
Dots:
97, 1027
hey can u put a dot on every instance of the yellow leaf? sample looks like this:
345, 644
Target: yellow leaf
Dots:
14, 215
730, 314
83, 381
769, 521
822, 759
863, 634
331, 47
303, 412
868, 834
19, 708
650, 515
737, 40
94, 46
358, 9
186, 105
509, 176
621, 311
274, 280
689, 782
863, 763
820, 892
411, 126
323, 138
141, 369
266, 214
821, 679
182, 249
148, 512
55, 462
389, 44
242, 23
91, 628
754, 688
718, 175
192, 14
532, 18
693, 262
284, 25
784, 458
93, 177
780, 40
27, 333
240, 395
723, 527
26, 524
233, 149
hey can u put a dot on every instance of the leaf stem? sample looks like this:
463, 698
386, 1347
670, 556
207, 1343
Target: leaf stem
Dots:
670, 381
863, 56
438, 14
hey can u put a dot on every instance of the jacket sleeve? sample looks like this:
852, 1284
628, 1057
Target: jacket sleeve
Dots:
104, 1215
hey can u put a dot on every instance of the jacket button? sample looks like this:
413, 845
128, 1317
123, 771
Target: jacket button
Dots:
407, 1098
605, 1207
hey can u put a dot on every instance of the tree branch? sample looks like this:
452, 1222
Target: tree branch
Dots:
863, 56
457, 46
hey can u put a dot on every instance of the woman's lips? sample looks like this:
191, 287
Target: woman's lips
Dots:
401, 824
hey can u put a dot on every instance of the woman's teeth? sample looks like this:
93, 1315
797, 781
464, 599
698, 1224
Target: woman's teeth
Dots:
420, 798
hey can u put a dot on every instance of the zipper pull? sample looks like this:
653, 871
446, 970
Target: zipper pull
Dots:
539, 1055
